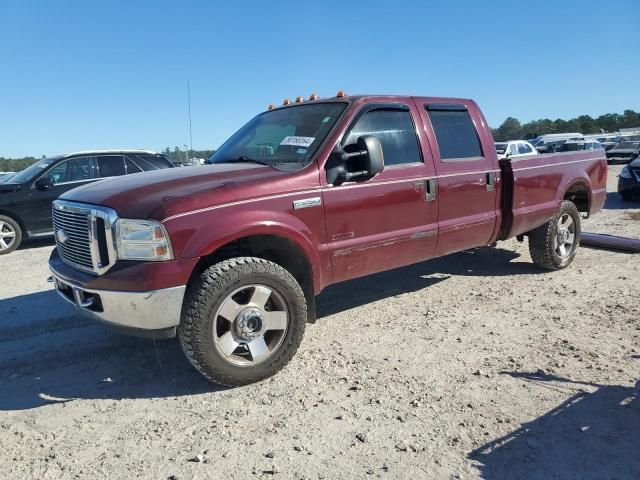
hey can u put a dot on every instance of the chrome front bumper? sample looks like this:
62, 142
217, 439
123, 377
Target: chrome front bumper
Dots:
138, 313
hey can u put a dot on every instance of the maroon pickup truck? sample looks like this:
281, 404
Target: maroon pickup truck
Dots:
231, 255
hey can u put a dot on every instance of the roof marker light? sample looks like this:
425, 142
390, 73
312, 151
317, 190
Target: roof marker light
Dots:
299, 99
313, 96
286, 101
271, 106
341, 94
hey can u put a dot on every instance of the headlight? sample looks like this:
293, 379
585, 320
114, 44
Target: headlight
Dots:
625, 173
142, 240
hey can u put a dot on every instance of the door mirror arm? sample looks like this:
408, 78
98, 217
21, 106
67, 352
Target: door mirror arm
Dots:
369, 159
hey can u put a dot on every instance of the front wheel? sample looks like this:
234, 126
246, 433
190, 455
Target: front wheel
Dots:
554, 245
10, 235
242, 321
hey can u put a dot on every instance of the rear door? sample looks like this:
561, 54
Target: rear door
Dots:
468, 172
389, 220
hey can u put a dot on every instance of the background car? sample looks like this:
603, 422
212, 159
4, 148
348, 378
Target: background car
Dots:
26, 197
514, 148
629, 180
626, 151
575, 145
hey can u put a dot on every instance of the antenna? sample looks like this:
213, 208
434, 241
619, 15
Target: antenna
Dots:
189, 107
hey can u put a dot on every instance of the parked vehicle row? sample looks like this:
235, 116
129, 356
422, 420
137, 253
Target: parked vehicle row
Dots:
629, 181
26, 196
230, 256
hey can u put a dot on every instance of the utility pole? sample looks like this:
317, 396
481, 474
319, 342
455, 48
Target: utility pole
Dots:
189, 108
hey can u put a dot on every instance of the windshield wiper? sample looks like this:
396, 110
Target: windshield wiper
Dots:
245, 159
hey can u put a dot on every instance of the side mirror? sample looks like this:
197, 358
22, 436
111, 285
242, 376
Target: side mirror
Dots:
43, 184
368, 158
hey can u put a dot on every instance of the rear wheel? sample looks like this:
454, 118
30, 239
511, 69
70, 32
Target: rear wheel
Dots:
10, 235
554, 245
242, 321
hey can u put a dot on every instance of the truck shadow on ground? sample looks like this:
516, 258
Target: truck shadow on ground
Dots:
485, 261
614, 202
50, 355
594, 434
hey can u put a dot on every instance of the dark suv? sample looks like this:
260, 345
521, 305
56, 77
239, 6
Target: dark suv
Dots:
25, 197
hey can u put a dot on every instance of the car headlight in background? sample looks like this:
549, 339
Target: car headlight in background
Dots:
625, 172
142, 240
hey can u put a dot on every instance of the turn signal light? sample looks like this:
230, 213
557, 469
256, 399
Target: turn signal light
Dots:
313, 96
299, 99
341, 94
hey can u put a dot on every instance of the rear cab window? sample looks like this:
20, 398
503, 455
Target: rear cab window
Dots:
455, 133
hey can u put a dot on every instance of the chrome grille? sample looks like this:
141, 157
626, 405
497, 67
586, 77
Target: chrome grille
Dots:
75, 227
84, 236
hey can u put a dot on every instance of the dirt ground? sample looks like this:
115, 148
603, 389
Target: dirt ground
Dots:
477, 365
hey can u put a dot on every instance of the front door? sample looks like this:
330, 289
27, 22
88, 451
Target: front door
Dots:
468, 173
390, 220
66, 175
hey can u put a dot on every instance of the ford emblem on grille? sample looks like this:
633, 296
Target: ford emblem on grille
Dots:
62, 236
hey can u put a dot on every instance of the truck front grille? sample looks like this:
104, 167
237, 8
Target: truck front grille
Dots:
84, 236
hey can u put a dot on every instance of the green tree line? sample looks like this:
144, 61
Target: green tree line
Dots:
16, 164
178, 155
512, 129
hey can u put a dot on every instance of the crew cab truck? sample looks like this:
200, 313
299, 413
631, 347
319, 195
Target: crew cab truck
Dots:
230, 256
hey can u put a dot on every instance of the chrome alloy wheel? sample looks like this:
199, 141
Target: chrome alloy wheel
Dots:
564, 242
250, 325
7, 235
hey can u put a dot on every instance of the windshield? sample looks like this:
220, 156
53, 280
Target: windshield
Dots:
284, 138
571, 147
31, 172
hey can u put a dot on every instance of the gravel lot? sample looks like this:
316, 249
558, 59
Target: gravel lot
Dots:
476, 365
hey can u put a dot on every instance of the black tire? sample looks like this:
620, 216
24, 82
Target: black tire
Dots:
541, 240
626, 197
203, 300
7, 224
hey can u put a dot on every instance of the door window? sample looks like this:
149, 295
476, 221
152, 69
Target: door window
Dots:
73, 170
111, 166
456, 135
394, 129
523, 148
131, 167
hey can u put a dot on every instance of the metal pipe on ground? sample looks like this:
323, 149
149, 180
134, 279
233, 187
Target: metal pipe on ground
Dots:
610, 242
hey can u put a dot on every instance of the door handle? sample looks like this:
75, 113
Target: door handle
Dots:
431, 188
491, 181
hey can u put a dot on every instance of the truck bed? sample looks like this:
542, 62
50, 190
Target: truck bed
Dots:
534, 187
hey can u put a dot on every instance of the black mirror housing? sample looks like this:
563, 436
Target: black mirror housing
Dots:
374, 159
44, 184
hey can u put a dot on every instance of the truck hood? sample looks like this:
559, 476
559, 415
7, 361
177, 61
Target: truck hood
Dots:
161, 193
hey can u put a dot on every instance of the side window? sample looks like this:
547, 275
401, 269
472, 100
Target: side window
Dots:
73, 170
396, 132
111, 166
523, 148
456, 135
150, 162
512, 149
130, 166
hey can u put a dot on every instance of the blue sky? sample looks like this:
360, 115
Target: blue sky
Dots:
84, 74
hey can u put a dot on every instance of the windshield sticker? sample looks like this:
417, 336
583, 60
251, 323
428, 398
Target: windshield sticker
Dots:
297, 141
